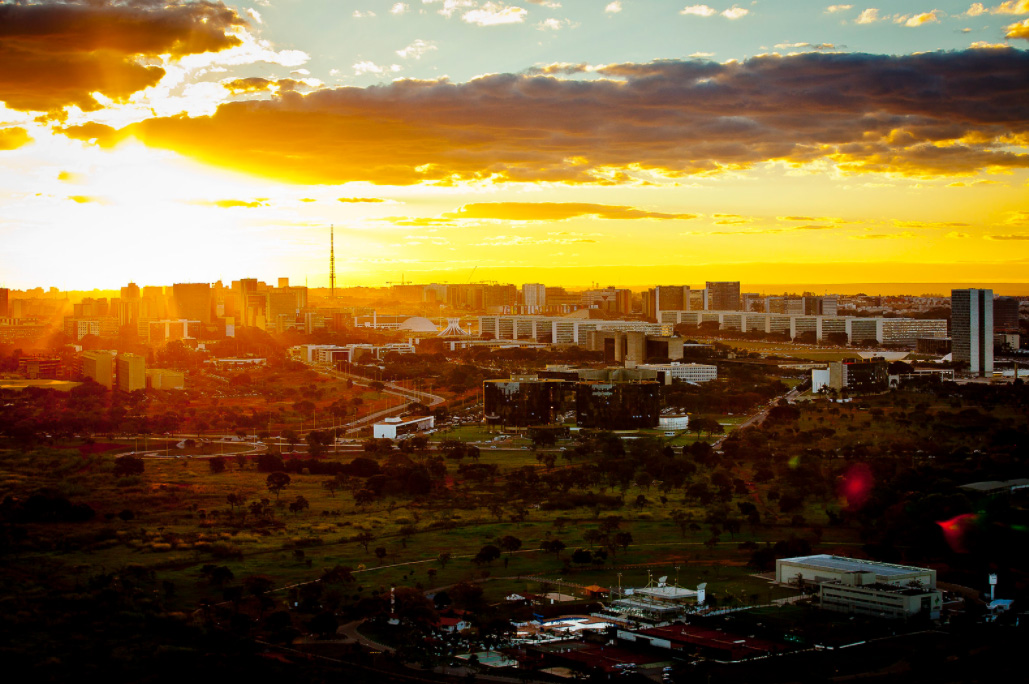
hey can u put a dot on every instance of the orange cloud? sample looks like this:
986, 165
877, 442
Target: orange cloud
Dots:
863, 113
68, 49
255, 84
1018, 30
554, 211
13, 138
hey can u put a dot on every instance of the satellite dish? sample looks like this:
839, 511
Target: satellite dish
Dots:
662, 579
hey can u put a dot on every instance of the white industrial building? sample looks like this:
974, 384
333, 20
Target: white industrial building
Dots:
826, 568
861, 593
685, 372
392, 428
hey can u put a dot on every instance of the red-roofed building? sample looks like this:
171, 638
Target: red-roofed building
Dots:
703, 641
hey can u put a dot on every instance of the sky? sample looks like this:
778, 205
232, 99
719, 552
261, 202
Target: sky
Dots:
568, 142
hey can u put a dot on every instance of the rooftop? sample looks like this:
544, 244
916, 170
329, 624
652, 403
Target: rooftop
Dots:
853, 565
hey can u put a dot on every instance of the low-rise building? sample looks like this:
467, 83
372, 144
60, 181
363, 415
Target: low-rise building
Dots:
602, 398
858, 330
558, 329
40, 367
617, 406
676, 422
393, 428
164, 379
825, 568
693, 373
861, 594
703, 642
523, 401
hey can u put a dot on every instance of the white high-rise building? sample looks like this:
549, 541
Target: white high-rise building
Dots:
971, 329
534, 296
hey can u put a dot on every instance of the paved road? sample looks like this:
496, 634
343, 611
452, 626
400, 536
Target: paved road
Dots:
411, 396
760, 416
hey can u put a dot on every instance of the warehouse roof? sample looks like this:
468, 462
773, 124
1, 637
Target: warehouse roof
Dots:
845, 564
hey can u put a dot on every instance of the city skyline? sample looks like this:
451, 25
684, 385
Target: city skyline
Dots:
559, 142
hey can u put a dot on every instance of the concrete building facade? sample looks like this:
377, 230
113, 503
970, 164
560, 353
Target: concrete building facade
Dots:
859, 593
885, 331
99, 365
971, 314
557, 329
633, 348
164, 379
684, 372
825, 568
131, 372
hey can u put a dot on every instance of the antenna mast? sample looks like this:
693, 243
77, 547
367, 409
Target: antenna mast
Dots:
332, 261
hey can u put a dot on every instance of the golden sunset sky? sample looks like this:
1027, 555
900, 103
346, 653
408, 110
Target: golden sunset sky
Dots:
567, 141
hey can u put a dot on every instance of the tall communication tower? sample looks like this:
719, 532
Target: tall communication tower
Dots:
332, 261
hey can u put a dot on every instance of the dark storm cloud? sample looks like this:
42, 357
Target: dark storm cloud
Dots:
56, 53
943, 113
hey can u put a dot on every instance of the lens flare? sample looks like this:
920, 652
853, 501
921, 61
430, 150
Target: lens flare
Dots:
956, 530
856, 486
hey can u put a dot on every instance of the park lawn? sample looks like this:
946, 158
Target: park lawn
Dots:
464, 433
175, 533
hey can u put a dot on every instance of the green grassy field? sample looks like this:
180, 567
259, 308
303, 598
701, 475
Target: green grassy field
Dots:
181, 523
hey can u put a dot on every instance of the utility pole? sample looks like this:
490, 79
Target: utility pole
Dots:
332, 261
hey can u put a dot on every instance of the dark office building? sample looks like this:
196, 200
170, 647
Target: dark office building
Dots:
617, 406
932, 345
5, 306
523, 403
723, 296
1005, 314
866, 376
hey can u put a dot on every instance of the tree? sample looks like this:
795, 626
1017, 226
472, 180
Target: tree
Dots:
380, 553
128, 465
291, 437
323, 624
216, 464
542, 437
317, 440
555, 546
277, 482
682, 520
299, 505
217, 575
487, 554
509, 543
364, 539
623, 539
582, 557
443, 558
